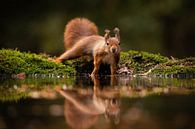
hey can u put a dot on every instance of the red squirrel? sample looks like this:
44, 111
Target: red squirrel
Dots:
81, 38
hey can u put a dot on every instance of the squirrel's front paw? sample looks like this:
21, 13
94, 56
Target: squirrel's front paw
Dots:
93, 74
57, 60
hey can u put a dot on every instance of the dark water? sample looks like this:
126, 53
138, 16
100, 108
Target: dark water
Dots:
104, 102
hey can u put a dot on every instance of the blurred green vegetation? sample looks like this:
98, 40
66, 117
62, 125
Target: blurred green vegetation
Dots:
163, 26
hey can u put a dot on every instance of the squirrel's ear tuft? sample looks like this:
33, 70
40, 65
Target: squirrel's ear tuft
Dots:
107, 35
117, 35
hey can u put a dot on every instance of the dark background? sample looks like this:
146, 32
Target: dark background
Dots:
159, 26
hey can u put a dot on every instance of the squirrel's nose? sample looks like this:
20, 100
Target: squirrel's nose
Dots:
113, 50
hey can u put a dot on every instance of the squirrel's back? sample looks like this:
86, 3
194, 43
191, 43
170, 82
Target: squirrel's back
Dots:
77, 29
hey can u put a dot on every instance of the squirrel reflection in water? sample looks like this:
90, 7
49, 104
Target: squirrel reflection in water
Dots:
83, 107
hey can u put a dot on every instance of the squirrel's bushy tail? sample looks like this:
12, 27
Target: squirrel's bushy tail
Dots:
77, 29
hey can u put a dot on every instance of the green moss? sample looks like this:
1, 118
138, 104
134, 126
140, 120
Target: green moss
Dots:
141, 62
14, 62
177, 66
174, 70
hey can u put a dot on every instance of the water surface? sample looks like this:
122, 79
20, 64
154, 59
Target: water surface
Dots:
104, 102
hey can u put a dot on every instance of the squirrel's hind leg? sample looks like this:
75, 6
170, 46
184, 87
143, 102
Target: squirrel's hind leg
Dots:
68, 55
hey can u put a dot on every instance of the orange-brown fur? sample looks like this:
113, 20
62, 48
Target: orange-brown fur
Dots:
81, 39
77, 29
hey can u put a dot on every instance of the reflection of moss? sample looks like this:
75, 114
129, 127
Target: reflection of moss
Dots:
16, 89
36, 83
161, 82
11, 94
14, 62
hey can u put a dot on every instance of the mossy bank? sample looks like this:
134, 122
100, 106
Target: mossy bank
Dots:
144, 63
15, 62
140, 63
